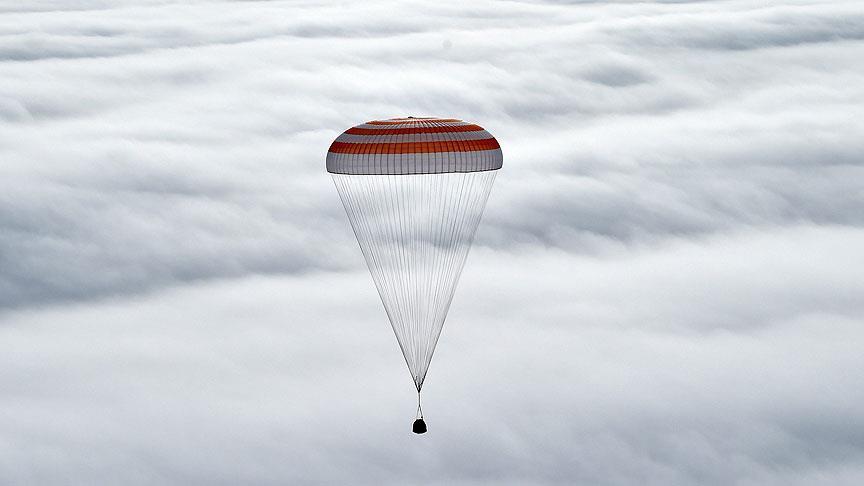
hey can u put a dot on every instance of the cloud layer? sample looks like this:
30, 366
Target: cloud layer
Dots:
664, 289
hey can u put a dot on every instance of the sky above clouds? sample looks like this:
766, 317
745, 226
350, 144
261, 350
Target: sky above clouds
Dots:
665, 288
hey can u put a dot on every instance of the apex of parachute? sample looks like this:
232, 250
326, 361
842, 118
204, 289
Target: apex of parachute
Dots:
414, 145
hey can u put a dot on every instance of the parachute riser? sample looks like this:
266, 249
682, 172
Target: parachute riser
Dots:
419, 426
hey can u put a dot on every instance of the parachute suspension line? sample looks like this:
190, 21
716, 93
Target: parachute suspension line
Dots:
415, 232
419, 408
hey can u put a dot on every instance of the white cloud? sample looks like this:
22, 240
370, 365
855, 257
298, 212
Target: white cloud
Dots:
680, 365
664, 289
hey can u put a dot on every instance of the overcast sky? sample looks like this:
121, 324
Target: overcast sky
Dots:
666, 288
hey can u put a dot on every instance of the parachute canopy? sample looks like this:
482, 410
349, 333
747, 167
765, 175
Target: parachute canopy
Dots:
414, 190
402, 146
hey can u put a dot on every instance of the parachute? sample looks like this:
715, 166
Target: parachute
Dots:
414, 190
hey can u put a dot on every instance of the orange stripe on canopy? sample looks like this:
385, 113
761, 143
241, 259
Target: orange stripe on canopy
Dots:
414, 147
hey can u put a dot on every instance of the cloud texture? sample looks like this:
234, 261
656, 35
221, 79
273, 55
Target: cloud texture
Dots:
665, 288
